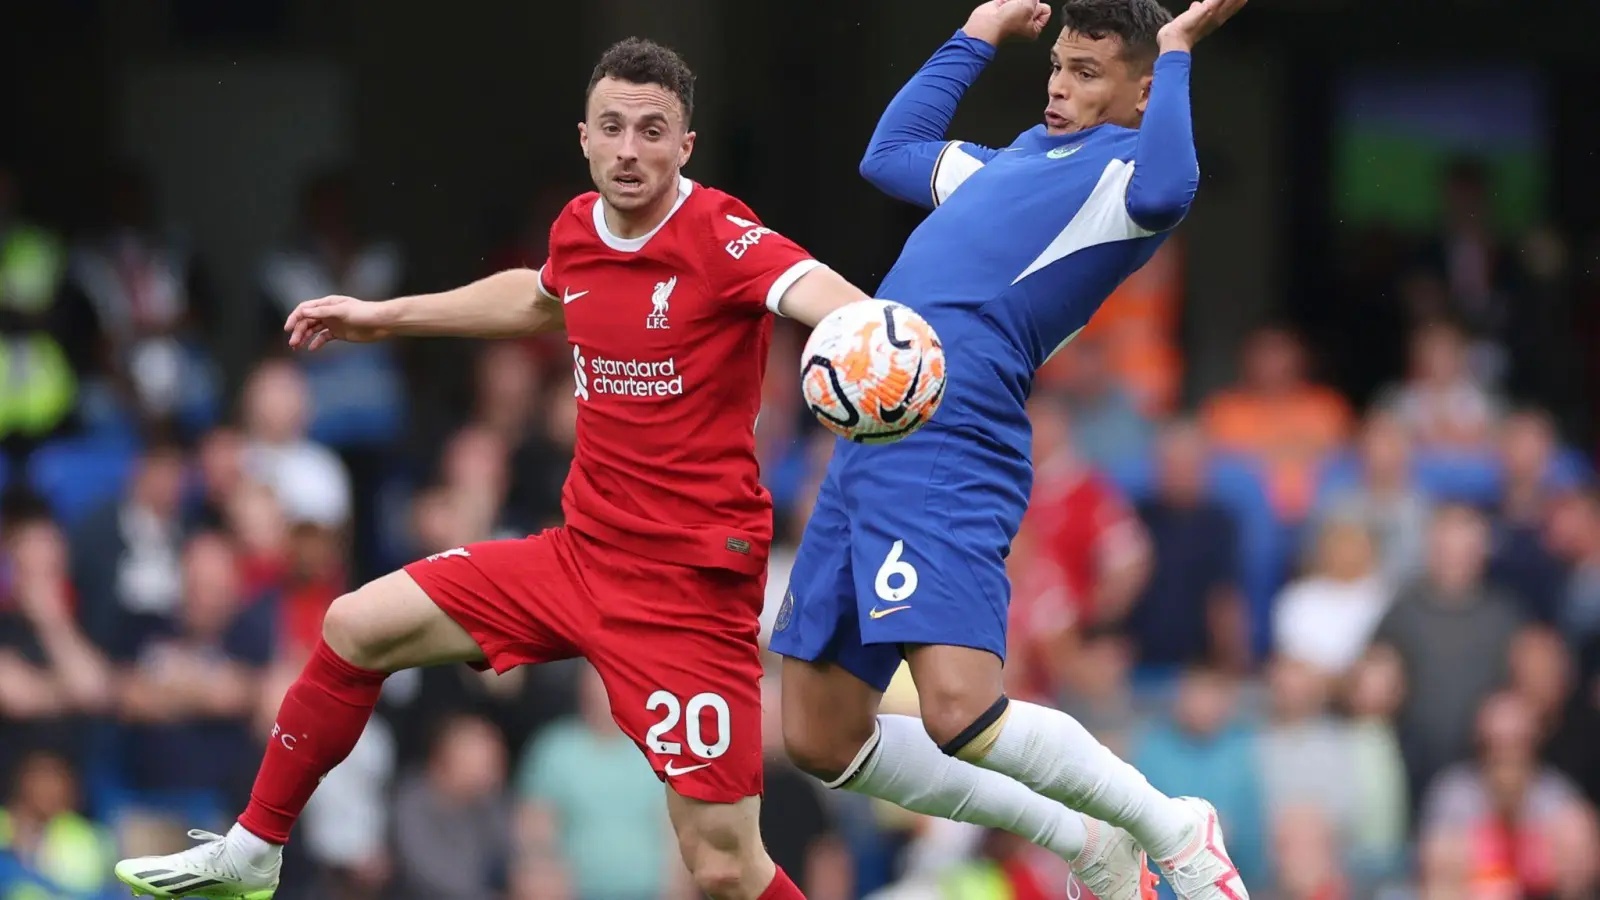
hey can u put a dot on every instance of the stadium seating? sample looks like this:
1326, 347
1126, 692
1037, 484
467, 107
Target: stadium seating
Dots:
76, 476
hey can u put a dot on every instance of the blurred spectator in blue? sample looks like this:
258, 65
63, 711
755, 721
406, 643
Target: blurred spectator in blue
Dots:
52, 679
1506, 803
452, 830
1386, 499
1203, 749
1452, 635
310, 480
38, 334
54, 852
1279, 418
1442, 405
147, 294
589, 803
188, 689
359, 391
1522, 563
1191, 610
125, 554
797, 824
1108, 427
1574, 533
1326, 618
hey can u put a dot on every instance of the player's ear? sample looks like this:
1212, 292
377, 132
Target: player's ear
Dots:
687, 150
583, 138
1144, 92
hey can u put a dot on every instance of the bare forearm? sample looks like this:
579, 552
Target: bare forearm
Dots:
78, 667
506, 304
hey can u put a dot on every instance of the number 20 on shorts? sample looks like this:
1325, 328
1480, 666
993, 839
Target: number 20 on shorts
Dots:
690, 714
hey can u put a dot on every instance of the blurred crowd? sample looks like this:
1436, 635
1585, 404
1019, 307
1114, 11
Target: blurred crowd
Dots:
1363, 621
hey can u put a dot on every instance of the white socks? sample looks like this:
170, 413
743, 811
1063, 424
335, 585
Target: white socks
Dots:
1050, 752
902, 765
256, 852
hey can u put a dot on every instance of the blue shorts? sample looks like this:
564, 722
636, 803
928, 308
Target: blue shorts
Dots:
907, 545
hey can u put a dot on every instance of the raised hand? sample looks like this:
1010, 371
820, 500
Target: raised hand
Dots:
999, 20
316, 322
1200, 19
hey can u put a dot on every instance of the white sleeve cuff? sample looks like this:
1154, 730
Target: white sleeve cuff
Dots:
544, 290
787, 280
953, 167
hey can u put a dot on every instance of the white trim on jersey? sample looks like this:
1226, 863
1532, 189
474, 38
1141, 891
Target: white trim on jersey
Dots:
787, 280
634, 245
1103, 219
542, 289
953, 167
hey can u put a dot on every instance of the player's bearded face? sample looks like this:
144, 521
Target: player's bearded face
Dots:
1092, 83
636, 140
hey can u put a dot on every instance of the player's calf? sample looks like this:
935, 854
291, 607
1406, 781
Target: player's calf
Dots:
722, 849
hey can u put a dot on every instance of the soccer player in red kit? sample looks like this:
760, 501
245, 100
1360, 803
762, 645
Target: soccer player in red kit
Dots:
665, 288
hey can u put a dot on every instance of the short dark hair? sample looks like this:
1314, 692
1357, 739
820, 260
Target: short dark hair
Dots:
643, 61
1134, 22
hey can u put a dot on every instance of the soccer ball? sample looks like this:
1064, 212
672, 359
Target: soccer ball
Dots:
873, 371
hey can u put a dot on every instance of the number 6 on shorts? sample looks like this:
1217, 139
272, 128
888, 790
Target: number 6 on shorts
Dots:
893, 565
690, 713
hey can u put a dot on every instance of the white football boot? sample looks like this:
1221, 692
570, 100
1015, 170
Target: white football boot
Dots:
1202, 869
212, 869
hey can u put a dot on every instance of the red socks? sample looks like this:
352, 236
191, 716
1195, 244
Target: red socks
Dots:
321, 718
781, 888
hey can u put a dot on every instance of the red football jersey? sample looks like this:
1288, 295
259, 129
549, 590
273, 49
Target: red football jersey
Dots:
669, 335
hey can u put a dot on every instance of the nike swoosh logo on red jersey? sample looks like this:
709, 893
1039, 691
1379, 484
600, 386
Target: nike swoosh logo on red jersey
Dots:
567, 296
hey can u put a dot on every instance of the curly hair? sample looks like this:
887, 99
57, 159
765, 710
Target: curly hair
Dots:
643, 61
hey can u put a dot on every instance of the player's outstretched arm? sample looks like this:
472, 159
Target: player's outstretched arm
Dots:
507, 304
908, 157
815, 294
1166, 170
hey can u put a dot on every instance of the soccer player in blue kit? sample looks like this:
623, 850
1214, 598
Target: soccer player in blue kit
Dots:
904, 556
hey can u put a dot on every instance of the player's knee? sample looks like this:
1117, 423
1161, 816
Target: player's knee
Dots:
824, 752
347, 629
955, 715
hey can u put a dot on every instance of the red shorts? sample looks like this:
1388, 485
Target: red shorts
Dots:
676, 646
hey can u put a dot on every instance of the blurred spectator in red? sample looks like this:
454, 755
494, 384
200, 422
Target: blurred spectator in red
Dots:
1386, 500
1326, 618
1452, 634
1278, 417
1442, 405
52, 679
256, 522
1523, 563
310, 480
1191, 609
1306, 860
1084, 559
187, 690
148, 297
125, 555
452, 830
1505, 803
42, 831
1109, 427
